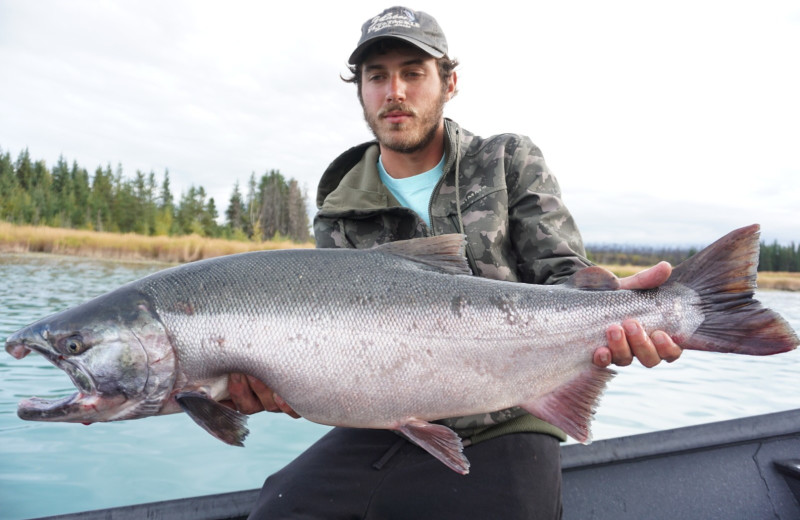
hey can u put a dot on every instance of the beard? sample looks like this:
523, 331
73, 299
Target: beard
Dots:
410, 136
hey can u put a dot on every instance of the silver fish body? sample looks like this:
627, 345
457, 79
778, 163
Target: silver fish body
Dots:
374, 338
391, 337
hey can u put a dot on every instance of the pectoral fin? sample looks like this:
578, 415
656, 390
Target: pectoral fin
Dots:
440, 441
225, 424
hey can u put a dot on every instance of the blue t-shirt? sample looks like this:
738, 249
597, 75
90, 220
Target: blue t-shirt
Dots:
414, 192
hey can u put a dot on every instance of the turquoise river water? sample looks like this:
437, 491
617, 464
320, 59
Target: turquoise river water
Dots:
56, 468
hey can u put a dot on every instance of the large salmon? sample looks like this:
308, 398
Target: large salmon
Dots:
391, 337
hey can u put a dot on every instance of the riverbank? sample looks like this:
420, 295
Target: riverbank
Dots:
128, 247
133, 247
777, 281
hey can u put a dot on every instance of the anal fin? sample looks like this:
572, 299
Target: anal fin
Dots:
438, 440
225, 424
572, 405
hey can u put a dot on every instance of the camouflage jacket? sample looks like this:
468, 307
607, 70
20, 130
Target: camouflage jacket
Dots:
509, 207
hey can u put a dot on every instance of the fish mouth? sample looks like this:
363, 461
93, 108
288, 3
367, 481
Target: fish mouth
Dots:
81, 406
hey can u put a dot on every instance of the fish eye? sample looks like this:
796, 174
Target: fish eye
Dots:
73, 345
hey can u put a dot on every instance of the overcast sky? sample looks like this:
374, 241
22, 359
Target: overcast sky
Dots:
665, 122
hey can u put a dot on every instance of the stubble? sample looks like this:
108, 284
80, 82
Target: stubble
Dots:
410, 136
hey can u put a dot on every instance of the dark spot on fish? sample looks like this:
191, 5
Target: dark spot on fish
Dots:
506, 306
459, 305
367, 300
184, 307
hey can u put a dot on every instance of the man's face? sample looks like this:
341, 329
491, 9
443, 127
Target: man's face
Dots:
403, 98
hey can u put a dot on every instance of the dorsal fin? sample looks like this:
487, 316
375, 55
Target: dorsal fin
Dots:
443, 252
593, 278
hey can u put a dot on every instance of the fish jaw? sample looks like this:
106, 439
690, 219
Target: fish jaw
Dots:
80, 406
114, 350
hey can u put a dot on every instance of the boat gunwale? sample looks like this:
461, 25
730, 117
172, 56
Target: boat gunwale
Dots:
681, 440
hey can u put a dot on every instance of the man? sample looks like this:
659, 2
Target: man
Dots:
426, 175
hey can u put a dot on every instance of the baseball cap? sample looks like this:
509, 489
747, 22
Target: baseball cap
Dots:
415, 27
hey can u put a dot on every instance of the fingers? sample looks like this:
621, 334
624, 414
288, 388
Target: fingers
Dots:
630, 340
620, 352
284, 407
249, 395
270, 401
667, 349
243, 395
602, 357
641, 346
264, 394
649, 278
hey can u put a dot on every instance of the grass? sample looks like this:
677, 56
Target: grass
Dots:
779, 281
128, 246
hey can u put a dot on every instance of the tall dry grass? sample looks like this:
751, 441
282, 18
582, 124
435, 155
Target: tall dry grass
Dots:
129, 246
779, 281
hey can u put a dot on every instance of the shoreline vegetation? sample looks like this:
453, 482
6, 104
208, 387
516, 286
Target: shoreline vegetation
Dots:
131, 247
64, 196
772, 280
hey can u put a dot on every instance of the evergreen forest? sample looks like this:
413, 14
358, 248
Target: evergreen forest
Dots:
271, 207
68, 196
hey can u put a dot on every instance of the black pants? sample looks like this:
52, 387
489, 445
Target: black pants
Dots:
377, 475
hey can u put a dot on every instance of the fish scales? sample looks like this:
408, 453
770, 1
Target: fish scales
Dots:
392, 337
385, 334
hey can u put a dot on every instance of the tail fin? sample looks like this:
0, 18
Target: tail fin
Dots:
724, 275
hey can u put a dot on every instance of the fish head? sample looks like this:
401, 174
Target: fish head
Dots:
113, 348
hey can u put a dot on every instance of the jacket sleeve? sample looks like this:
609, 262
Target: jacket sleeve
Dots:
328, 233
544, 235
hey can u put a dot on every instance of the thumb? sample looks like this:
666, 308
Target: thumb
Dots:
649, 278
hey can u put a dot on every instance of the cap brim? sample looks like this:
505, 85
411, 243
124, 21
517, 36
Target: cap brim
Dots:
361, 48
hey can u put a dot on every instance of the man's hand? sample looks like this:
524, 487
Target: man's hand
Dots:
629, 340
249, 395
